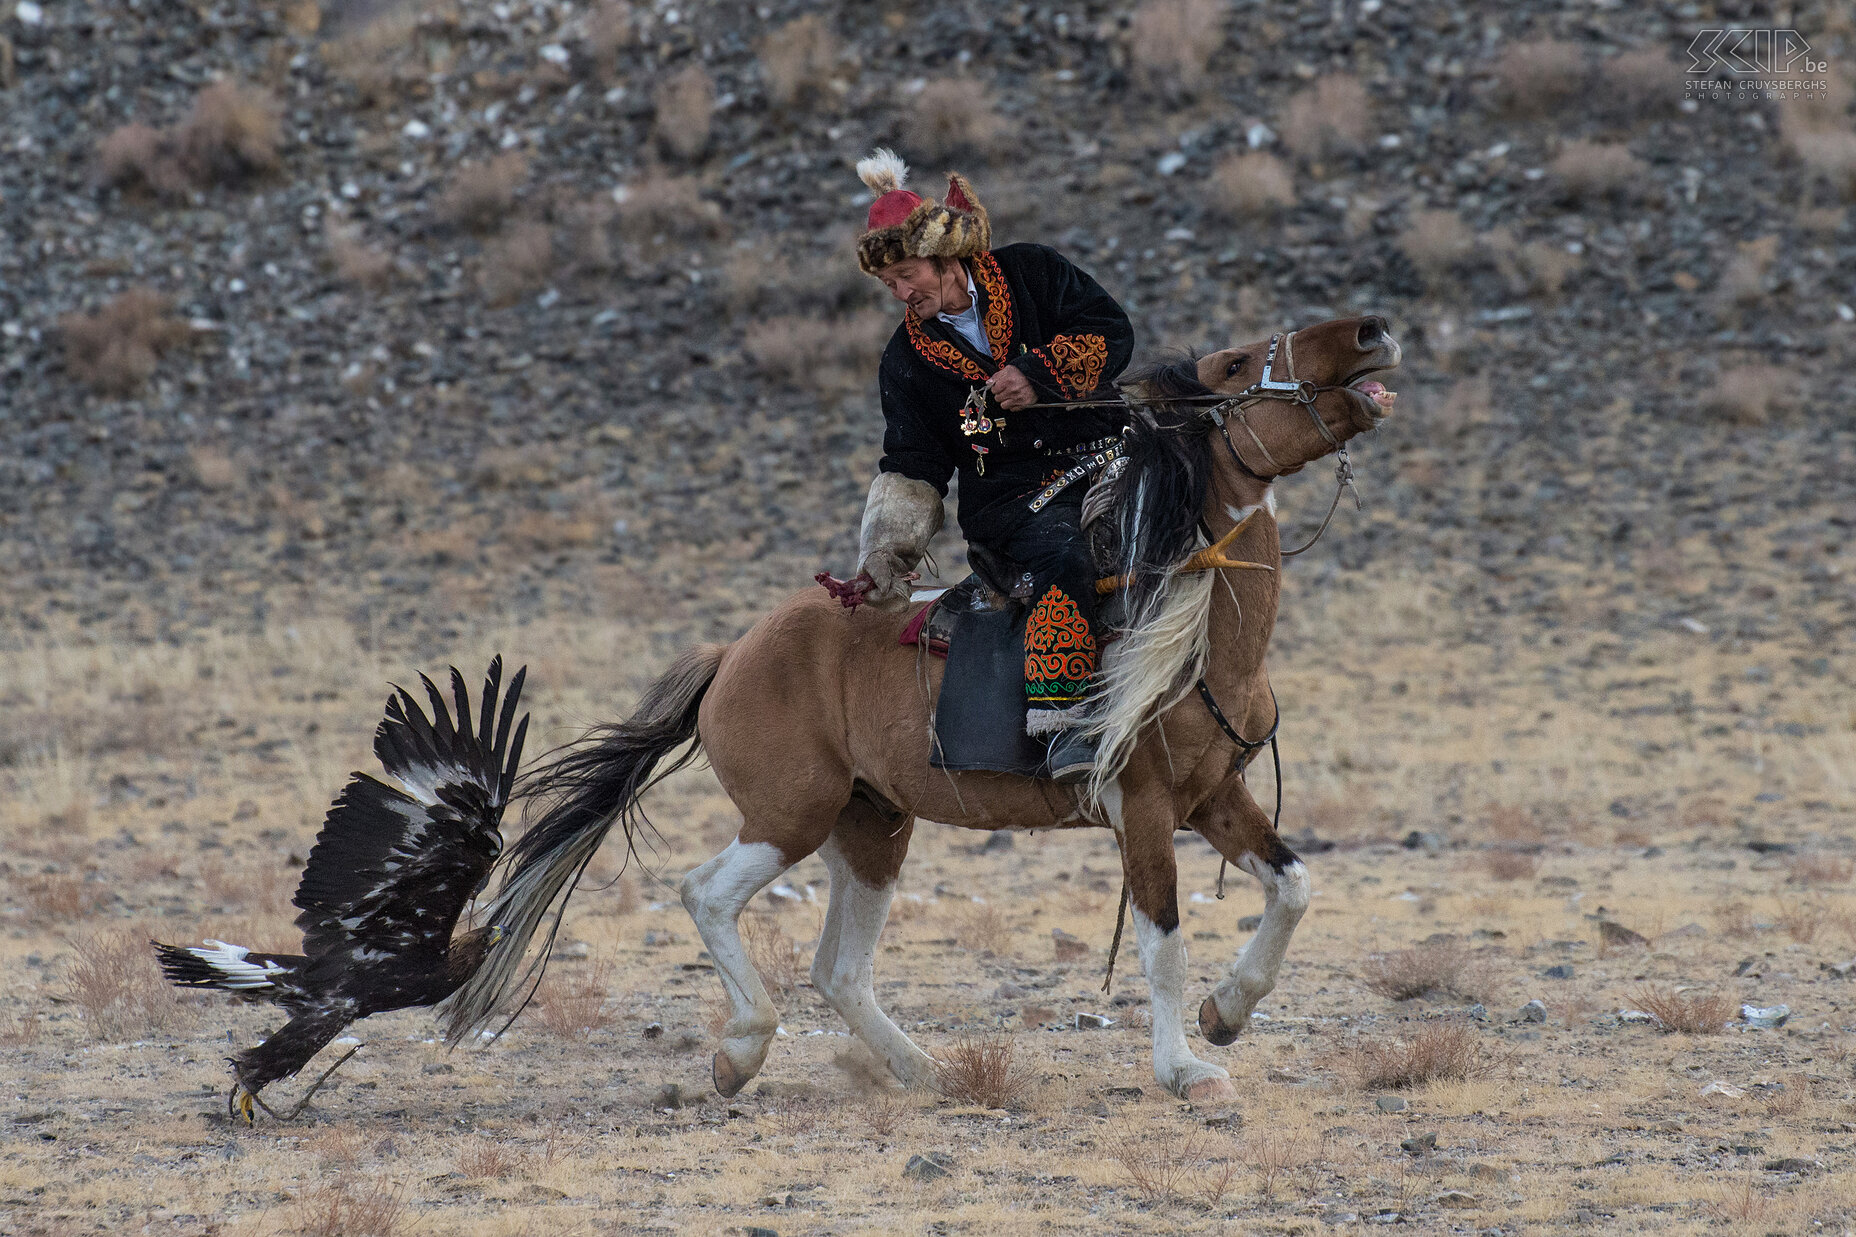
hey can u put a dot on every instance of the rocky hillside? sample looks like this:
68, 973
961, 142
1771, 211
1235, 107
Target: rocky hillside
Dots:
448, 305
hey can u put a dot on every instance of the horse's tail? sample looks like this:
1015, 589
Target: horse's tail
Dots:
582, 792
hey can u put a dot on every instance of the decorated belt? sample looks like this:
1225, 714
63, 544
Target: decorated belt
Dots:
1090, 456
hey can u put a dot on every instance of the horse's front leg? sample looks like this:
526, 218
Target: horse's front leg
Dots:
1240, 831
1145, 830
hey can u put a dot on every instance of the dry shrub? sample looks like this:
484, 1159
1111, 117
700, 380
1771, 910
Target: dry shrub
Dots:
1743, 280
1255, 184
114, 980
354, 260
1816, 129
1546, 266
60, 899
572, 1005
1539, 77
115, 349
1334, 116
213, 469
609, 30
1170, 43
1437, 966
1734, 920
1588, 170
229, 136
481, 194
386, 59
885, 1111
347, 1208
1817, 868
517, 263
20, 1031
1803, 918
1741, 1205
774, 954
798, 61
951, 116
483, 1158
1511, 865
1678, 1012
982, 927
817, 354
1436, 241
979, 1069
1637, 85
1164, 1164
686, 112
664, 207
771, 281
584, 245
1746, 394
1438, 1052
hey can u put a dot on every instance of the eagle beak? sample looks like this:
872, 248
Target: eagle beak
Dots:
497, 932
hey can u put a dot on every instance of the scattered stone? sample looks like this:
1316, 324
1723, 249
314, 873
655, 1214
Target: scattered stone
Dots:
1760, 847
756, 1230
1726, 1090
1488, 1172
1340, 1217
659, 939
1286, 1078
1457, 1199
1746, 966
1652, 852
668, 1096
1391, 1103
1842, 970
1632, 1017
1249, 923
1561, 970
1771, 1016
1010, 992
1423, 1144
1429, 843
654, 1030
930, 1167
1225, 1121
435, 1067
1124, 1093
1478, 1011
998, 843
1093, 1022
1791, 1164
575, 949
1619, 936
1533, 1011
1069, 948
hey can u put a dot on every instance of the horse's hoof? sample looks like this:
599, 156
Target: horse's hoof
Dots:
728, 1079
1211, 1091
1213, 1026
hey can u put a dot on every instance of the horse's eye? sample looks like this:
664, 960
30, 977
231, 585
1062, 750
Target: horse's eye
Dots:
1235, 366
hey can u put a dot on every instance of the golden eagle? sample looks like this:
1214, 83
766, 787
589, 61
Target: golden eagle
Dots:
391, 872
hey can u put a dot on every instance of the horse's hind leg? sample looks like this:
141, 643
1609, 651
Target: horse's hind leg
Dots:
864, 855
714, 894
1240, 831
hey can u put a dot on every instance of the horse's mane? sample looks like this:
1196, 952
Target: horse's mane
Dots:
1163, 638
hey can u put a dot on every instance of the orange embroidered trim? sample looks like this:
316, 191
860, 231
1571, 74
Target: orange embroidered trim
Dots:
1076, 362
1060, 652
998, 323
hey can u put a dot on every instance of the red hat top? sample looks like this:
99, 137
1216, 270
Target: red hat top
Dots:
902, 223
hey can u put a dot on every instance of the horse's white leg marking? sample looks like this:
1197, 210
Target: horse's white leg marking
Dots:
1253, 974
844, 965
714, 894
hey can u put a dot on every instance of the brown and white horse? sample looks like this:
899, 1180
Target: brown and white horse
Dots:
817, 724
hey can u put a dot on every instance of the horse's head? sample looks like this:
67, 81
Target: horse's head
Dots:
1304, 393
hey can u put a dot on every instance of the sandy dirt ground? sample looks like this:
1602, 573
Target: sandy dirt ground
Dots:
1474, 806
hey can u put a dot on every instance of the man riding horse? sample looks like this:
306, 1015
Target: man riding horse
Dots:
992, 339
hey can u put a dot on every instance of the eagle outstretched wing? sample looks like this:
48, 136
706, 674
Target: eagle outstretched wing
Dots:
393, 869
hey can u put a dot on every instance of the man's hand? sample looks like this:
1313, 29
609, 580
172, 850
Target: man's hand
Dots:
1012, 389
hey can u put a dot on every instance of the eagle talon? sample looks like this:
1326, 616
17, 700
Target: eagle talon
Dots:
239, 1104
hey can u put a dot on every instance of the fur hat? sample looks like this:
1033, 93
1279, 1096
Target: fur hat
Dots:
904, 224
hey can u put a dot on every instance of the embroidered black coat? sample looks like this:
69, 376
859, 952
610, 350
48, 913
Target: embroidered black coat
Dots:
1041, 314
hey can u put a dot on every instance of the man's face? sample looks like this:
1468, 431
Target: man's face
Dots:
920, 284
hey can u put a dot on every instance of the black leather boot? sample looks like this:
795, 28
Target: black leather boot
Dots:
1072, 756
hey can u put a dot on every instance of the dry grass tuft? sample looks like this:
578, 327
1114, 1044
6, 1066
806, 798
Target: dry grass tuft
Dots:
114, 980
346, 1208
983, 927
798, 60
229, 136
483, 1158
1746, 394
774, 954
1170, 43
481, 194
980, 1070
1437, 242
1441, 966
1743, 279
1803, 918
1539, 77
1334, 116
665, 207
1250, 185
1817, 868
1676, 1012
1816, 129
1164, 1164
61, 899
573, 1005
828, 357
115, 349
950, 117
355, 261
517, 263
1637, 85
1438, 1052
1590, 170
1734, 919
686, 112
610, 28
1511, 865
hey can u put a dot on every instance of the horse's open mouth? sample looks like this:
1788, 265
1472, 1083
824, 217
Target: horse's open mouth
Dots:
1372, 400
